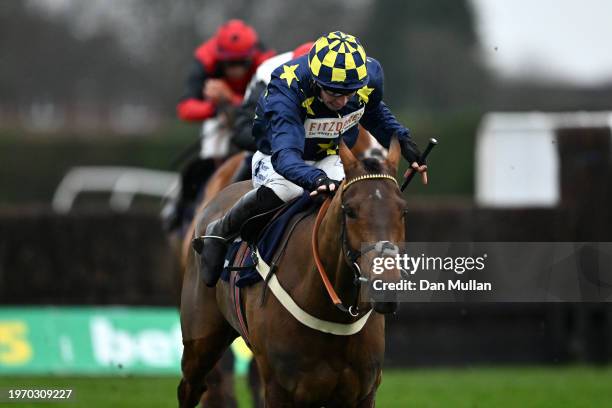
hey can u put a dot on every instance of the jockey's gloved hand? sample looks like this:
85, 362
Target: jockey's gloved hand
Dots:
325, 185
412, 154
410, 151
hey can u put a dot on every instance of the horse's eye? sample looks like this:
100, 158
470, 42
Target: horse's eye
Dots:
349, 211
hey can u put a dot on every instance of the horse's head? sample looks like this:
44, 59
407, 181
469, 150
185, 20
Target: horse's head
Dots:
372, 211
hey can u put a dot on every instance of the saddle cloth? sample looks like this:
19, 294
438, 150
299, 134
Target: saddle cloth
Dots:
267, 242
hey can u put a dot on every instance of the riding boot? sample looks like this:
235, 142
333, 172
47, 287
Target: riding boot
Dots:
219, 233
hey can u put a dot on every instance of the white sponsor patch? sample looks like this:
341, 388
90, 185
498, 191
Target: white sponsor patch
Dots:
331, 127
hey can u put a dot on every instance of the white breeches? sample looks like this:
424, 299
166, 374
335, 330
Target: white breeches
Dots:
265, 175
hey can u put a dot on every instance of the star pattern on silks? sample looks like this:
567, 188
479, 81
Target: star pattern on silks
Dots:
364, 94
289, 73
329, 148
306, 104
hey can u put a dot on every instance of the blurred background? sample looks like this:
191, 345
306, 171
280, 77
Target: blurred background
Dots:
517, 93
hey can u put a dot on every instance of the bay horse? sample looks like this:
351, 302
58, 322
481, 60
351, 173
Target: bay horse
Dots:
302, 366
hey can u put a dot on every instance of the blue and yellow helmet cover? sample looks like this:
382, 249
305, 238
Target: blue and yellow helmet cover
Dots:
337, 61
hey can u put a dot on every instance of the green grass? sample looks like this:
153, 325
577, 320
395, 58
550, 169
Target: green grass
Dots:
479, 387
498, 387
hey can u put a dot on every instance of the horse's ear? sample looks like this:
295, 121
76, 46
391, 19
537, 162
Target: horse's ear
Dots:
347, 157
394, 154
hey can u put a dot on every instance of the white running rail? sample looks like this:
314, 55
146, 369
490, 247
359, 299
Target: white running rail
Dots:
123, 184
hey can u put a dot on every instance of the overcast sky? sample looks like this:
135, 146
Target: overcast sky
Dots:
568, 39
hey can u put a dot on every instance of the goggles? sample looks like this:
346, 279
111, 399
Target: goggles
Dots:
336, 93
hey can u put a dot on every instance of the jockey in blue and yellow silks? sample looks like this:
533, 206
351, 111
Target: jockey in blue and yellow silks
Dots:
310, 102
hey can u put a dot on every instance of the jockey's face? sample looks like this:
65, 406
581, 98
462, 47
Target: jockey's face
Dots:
236, 69
335, 101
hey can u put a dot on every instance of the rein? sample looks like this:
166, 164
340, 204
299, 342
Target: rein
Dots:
350, 256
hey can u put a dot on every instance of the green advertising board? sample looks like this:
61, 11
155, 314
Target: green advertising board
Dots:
107, 341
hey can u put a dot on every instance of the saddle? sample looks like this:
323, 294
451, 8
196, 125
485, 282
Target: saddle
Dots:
264, 232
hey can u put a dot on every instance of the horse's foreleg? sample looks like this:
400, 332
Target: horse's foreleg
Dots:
369, 401
220, 384
255, 385
277, 397
199, 357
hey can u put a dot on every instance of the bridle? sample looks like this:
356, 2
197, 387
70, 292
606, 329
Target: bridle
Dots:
351, 256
